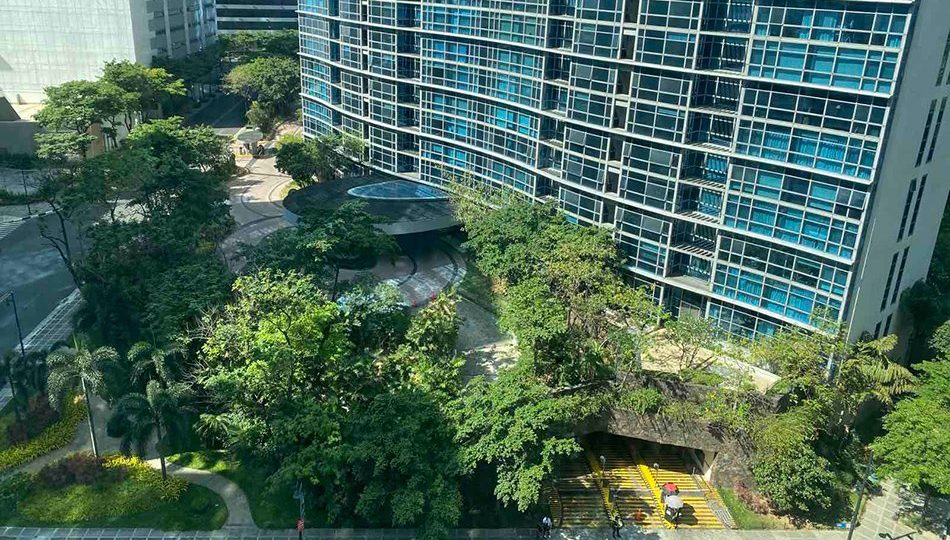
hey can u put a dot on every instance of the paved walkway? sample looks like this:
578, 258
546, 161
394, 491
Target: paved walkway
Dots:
239, 510
256, 205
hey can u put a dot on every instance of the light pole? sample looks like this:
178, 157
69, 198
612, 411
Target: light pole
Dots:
16, 317
864, 482
299, 495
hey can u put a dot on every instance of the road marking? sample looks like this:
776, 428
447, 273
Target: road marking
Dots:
8, 227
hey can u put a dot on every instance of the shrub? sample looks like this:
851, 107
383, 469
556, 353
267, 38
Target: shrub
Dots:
752, 499
55, 437
81, 468
13, 488
125, 486
795, 479
702, 377
139, 472
39, 416
641, 400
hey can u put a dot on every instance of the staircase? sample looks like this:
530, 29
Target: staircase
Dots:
659, 469
580, 498
577, 501
631, 495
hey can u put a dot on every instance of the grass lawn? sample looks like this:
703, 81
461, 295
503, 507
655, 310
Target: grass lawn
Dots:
198, 509
745, 517
270, 511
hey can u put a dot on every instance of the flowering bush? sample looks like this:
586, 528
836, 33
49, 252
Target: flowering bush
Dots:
55, 437
126, 486
81, 468
140, 472
39, 416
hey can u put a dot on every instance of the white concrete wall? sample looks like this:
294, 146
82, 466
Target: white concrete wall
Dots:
48, 42
917, 89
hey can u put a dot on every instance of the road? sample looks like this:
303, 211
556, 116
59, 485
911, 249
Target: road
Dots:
225, 114
36, 274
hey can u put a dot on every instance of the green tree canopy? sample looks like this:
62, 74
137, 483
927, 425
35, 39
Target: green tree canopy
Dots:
145, 87
517, 426
271, 82
913, 449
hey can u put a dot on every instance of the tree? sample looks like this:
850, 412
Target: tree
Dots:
279, 342
428, 356
533, 314
320, 158
159, 412
694, 342
795, 479
273, 83
106, 179
151, 363
346, 236
70, 110
917, 433
244, 46
80, 368
145, 87
517, 426
401, 455
71, 106
260, 118
295, 159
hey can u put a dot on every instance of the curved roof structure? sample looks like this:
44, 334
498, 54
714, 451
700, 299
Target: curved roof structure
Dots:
401, 206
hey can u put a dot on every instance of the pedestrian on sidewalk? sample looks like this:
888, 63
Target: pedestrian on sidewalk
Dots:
615, 525
547, 525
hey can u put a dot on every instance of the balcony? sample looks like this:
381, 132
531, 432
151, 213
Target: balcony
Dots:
694, 240
727, 16
718, 53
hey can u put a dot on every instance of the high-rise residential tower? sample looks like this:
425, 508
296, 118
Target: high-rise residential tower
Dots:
759, 161
250, 15
54, 41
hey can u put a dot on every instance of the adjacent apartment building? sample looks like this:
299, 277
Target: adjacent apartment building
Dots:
758, 161
54, 41
250, 15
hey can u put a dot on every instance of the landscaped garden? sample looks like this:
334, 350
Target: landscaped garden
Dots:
288, 375
84, 491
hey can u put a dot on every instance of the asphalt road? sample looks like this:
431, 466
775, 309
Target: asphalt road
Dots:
36, 274
225, 114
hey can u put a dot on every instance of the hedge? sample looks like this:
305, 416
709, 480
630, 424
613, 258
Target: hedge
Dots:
57, 436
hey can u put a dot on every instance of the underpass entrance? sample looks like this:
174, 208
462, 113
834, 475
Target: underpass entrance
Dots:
624, 476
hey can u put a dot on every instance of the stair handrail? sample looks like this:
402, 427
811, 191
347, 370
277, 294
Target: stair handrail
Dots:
598, 473
651, 483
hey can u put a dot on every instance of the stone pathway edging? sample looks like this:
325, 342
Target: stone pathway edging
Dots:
239, 510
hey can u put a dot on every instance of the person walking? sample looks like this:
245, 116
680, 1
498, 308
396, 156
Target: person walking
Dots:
615, 525
547, 525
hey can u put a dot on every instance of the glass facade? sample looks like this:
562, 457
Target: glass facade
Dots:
732, 145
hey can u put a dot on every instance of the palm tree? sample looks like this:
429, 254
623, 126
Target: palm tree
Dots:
158, 412
80, 368
153, 363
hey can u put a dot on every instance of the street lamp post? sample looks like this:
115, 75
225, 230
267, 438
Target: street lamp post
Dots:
864, 482
16, 317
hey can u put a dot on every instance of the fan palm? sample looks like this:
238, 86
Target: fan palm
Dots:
153, 363
78, 368
159, 412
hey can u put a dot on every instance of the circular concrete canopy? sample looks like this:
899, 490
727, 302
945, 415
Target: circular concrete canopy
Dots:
401, 206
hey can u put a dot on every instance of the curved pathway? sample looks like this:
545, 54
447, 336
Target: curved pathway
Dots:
239, 510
